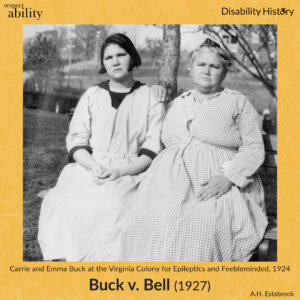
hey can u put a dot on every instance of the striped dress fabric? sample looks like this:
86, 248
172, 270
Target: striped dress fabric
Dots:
216, 136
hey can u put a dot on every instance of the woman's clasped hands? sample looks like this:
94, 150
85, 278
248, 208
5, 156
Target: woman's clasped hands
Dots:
101, 174
110, 175
97, 171
215, 186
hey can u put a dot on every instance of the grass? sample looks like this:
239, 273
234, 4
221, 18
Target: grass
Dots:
44, 157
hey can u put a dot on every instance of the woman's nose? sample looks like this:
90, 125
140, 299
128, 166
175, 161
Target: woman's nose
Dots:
207, 69
115, 60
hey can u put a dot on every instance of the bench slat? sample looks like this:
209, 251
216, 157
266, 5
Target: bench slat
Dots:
270, 160
270, 142
271, 233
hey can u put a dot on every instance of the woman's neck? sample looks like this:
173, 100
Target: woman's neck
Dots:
122, 85
203, 94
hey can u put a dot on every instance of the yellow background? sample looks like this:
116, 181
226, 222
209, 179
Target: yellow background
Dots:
58, 285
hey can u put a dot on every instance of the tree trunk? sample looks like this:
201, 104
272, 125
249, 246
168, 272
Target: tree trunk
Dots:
170, 60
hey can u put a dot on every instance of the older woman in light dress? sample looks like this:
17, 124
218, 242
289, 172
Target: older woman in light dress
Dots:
201, 199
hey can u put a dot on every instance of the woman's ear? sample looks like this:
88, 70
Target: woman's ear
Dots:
189, 70
224, 74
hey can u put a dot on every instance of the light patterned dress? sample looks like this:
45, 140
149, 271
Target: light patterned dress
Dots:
81, 220
217, 136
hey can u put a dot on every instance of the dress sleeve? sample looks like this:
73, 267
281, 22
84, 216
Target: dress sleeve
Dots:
156, 114
80, 127
251, 154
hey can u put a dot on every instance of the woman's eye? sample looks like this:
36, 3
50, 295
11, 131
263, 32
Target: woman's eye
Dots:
107, 57
216, 66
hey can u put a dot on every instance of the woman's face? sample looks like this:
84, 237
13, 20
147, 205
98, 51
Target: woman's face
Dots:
116, 62
207, 71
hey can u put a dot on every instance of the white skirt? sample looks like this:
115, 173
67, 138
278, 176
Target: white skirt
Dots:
81, 220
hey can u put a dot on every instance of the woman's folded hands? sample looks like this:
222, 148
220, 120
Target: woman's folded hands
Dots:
109, 175
99, 172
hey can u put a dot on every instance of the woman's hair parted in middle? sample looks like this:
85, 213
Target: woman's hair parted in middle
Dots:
215, 47
124, 42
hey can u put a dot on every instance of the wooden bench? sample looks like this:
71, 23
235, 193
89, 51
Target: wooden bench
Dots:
270, 163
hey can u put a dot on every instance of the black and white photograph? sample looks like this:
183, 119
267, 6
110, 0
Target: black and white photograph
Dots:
150, 143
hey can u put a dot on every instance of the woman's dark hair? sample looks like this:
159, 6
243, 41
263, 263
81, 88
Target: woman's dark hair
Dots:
124, 42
